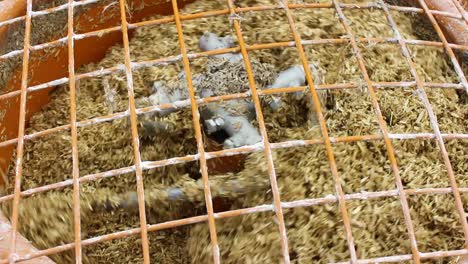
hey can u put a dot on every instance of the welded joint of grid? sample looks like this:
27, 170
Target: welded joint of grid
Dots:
74, 136
13, 256
432, 118
383, 128
198, 137
325, 135
135, 138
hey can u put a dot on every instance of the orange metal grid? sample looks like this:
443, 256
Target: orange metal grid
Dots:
433, 119
135, 138
383, 129
22, 121
248, 149
325, 136
74, 134
198, 136
461, 10
195, 16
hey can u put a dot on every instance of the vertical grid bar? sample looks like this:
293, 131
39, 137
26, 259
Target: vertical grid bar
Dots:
461, 10
433, 119
74, 136
266, 143
324, 130
198, 136
448, 49
135, 139
20, 146
383, 129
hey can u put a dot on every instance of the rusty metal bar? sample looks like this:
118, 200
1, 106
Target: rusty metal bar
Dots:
449, 50
248, 9
198, 136
383, 129
325, 136
74, 136
12, 256
263, 208
173, 59
424, 256
462, 11
100, 32
209, 14
433, 120
146, 165
135, 138
261, 125
47, 11
203, 101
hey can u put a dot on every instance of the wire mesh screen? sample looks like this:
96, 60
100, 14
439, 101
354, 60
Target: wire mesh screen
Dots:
266, 157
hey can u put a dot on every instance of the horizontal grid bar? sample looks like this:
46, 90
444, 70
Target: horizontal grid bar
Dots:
204, 101
101, 32
147, 165
176, 58
330, 199
170, 19
254, 8
47, 11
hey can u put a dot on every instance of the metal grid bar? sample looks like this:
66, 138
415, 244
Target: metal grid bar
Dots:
243, 9
249, 149
135, 138
247, 9
258, 209
203, 15
101, 32
261, 125
324, 131
433, 120
383, 129
12, 256
47, 11
462, 11
173, 59
146, 165
203, 101
449, 50
198, 136
74, 136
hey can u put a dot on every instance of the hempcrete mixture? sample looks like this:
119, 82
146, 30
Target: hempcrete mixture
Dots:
315, 233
